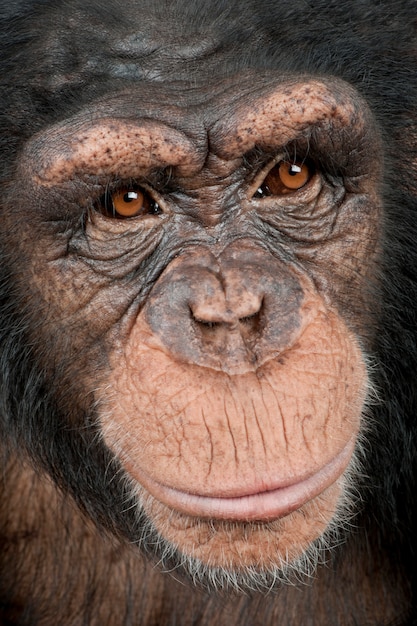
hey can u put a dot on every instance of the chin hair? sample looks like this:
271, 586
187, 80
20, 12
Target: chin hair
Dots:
241, 578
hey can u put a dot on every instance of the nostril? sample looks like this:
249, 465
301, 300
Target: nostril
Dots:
250, 319
211, 313
205, 323
243, 311
251, 327
254, 312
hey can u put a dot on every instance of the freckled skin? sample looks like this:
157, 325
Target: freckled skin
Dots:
104, 149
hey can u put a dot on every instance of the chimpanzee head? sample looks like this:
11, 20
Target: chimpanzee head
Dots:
191, 226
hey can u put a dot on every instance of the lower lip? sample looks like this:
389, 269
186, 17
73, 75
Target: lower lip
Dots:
261, 506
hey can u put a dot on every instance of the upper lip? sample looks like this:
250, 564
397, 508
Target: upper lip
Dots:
252, 505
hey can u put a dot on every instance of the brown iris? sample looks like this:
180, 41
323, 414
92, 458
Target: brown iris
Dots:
285, 177
128, 202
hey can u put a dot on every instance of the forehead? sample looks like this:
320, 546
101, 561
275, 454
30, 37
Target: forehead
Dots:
145, 41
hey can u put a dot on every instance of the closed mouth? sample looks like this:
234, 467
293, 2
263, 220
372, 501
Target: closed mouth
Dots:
266, 505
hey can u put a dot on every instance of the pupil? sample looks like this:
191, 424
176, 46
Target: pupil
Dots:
294, 170
130, 196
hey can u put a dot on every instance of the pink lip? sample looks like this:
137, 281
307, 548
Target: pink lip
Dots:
266, 505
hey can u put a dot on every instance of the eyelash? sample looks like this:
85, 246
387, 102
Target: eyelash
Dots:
127, 200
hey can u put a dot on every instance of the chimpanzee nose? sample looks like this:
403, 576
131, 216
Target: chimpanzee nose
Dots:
231, 312
219, 304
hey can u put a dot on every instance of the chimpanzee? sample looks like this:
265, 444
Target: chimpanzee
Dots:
208, 312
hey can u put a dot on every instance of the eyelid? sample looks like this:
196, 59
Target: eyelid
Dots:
282, 157
104, 201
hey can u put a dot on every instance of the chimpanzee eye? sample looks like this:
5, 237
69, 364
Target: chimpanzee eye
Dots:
285, 177
128, 202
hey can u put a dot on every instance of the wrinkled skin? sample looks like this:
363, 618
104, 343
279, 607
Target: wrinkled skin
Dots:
236, 376
193, 260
